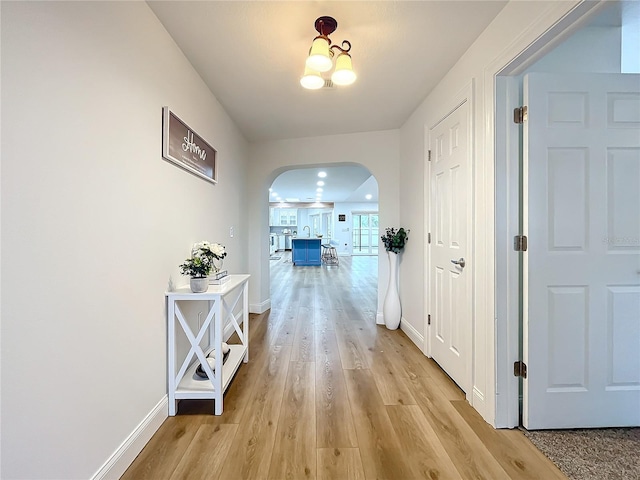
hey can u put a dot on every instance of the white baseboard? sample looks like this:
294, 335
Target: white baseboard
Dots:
260, 307
127, 452
379, 318
415, 336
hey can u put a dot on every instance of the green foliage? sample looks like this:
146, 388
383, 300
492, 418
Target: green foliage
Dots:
395, 240
196, 267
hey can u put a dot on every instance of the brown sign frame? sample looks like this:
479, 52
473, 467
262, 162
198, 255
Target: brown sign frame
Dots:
186, 149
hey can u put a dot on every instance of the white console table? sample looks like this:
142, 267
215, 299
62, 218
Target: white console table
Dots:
183, 383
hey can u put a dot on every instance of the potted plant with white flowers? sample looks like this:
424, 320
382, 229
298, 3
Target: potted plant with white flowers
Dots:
205, 258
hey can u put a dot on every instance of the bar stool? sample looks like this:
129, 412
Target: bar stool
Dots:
329, 254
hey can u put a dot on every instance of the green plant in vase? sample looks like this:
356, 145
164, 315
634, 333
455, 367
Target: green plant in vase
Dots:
395, 240
201, 263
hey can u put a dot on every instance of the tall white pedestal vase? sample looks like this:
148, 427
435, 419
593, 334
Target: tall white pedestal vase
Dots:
391, 308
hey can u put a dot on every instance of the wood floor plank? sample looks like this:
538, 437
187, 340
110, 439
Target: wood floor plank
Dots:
206, 453
335, 426
382, 457
390, 382
294, 451
303, 339
250, 454
444, 383
466, 450
352, 353
165, 449
511, 448
340, 463
286, 328
323, 317
427, 457
307, 293
414, 363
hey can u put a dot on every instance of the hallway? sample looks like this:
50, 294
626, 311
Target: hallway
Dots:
329, 394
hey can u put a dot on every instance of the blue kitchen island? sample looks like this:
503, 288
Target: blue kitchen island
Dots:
306, 252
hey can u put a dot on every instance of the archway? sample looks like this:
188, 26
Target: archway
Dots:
296, 209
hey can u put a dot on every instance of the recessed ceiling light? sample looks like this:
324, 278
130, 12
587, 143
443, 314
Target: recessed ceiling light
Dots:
322, 174
279, 199
320, 183
274, 194
319, 190
368, 196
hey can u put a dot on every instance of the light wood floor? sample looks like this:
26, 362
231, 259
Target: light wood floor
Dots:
329, 394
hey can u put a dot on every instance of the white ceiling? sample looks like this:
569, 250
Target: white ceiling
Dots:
251, 56
341, 184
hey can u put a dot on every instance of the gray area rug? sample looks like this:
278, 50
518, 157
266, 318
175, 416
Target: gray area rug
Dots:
590, 454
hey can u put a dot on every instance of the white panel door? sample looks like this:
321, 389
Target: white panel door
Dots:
582, 268
450, 283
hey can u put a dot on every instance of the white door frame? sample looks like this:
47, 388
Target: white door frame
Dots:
500, 144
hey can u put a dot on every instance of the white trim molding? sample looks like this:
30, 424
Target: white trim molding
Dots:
379, 318
260, 307
414, 335
127, 452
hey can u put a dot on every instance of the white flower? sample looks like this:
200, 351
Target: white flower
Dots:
218, 250
206, 251
198, 248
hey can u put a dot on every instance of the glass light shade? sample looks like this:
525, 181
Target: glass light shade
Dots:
319, 59
343, 74
311, 79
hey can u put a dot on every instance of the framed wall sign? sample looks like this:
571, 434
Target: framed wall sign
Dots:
342, 217
182, 146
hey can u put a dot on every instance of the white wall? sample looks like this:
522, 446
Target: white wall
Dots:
95, 224
377, 151
517, 26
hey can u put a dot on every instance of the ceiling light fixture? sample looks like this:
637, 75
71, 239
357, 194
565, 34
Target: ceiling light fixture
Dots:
320, 183
368, 196
322, 174
320, 58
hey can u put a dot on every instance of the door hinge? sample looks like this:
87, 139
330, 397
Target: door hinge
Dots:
429, 155
429, 319
429, 237
520, 243
520, 114
520, 369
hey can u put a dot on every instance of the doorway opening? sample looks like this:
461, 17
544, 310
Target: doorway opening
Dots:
596, 50
365, 228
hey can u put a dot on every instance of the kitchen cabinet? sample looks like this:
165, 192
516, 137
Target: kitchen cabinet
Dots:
281, 242
283, 217
306, 252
